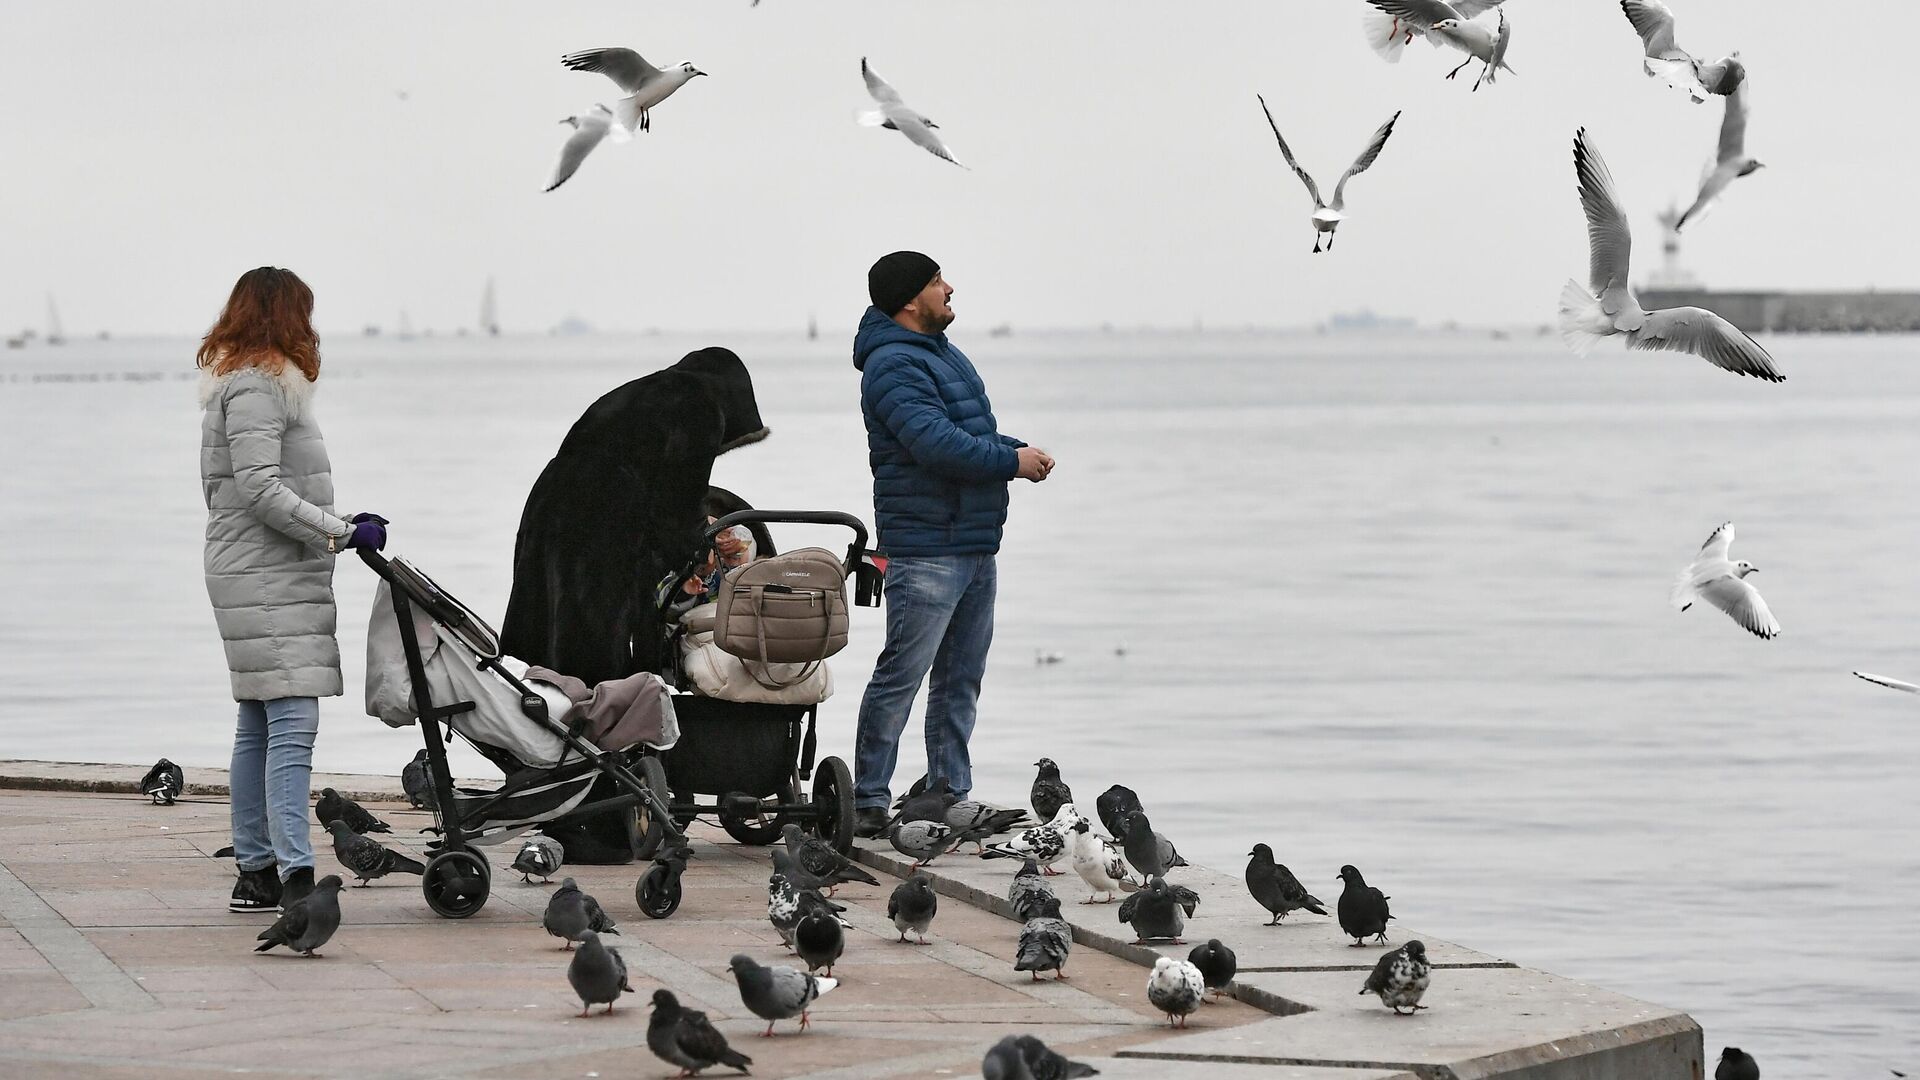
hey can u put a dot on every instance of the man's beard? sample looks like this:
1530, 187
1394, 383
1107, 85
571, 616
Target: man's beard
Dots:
937, 324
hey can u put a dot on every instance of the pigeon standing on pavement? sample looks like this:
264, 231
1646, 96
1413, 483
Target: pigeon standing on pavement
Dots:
1101, 864
1049, 793
366, 858
821, 860
819, 939
1155, 911
1113, 806
598, 974
1217, 964
1175, 988
685, 1037
787, 904
1275, 888
1027, 889
777, 993
913, 906
1045, 1064
308, 922
1150, 853
1045, 941
1400, 978
163, 783
542, 855
1363, 908
1044, 844
571, 913
334, 806
417, 781
976, 821
1737, 1064
789, 867
921, 841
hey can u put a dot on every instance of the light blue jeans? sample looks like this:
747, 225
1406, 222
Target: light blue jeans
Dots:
271, 777
939, 621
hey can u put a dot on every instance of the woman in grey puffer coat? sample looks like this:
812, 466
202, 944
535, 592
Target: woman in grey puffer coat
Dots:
271, 540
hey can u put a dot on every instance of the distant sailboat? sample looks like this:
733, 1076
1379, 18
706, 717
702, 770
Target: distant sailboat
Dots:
406, 326
489, 316
813, 328
55, 336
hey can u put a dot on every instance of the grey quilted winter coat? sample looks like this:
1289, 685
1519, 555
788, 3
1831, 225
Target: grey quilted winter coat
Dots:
269, 491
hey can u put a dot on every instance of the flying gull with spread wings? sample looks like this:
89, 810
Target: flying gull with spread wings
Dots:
1327, 216
1731, 161
895, 114
1653, 21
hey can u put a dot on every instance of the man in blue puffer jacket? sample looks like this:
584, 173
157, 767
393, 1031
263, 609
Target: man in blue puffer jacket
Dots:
940, 475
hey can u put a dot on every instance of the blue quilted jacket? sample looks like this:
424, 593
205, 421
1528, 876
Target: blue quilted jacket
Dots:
940, 470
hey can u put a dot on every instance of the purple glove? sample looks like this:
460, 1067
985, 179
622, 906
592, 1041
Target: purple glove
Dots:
358, 518
369, 531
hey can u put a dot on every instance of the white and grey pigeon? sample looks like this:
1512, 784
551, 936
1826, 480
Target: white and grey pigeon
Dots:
1027, 889
571, 913
976, 821
589, 128
787, 904
1608, 306
1891, 684
1389, 35
541, 855
778, 992
895, 115
1653, 21
163, 783
646, 85
1176, 988
1455, 24
921, 841
1400, 978
597, 974
1327, 216
1098, 860
1712, 578
1044, 844
913, 906
1731, 160
1045, 941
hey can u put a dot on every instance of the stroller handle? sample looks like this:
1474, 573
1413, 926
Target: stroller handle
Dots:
797, 517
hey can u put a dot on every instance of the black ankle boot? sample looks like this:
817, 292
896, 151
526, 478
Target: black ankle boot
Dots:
869, 822
256, 890
297, 886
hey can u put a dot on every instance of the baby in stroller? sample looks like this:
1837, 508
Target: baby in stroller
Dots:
689, 602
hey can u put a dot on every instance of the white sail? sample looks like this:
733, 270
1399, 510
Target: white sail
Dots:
489, 315
55, 335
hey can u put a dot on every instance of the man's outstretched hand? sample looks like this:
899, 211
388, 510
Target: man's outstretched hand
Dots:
1035, 463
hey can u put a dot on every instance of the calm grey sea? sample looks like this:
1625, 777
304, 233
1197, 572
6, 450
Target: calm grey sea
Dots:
1394, 601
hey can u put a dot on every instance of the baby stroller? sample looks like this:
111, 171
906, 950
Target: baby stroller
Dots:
550, 748
752, 756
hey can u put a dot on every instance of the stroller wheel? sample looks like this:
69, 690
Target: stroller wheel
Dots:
760, 829
833, 803
658, 891
456, 883
652, 828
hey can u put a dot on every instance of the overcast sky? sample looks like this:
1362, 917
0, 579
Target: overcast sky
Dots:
1121, 169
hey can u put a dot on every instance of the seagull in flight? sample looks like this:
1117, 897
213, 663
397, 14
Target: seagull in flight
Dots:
1653, 21
1327, 216
1609, 306
1724, 585
1730, 163
1439, 21
894, 114
1389, 33
646, 85
589, 129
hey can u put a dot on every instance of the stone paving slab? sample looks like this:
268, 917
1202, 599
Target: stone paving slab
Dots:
1151, 1069
202, 781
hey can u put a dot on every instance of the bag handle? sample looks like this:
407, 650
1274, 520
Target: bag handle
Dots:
760, 631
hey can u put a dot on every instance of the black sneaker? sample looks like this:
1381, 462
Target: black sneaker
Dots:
256, 890
297, 886
870, 821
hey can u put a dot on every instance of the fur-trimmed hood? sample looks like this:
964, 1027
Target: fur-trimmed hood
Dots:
293, 386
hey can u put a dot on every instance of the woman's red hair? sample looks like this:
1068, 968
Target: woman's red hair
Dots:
268, 323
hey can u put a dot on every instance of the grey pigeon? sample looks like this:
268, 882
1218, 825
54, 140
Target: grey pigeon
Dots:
366, 858
542, 855
1155, 911
819, 940
976, 821
1363, 908
1217, 964
334, 806
788, 867
163, 783
821, 860
1737, 1064
1044, 1064
1150, 853
571, 913
778, 993
1275, 888
1049, 793
1400, 978
1113, 806
1027, 890
597, 974
1175, 988
928, 804
921, 841
1044, 941
681, 1036
913, 906
1045, 844
309, 921
1004, 1061
417, 781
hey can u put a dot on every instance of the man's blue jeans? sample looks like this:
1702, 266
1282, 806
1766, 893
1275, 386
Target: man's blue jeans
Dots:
271, 777
939, 621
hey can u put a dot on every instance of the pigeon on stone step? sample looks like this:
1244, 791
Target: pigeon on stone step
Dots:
685, 1037
1027, 889
913, 906
921, 841
1045, 1064
366, 858
541, 855
1400, 978
1044, 844
1155, 911
308, 922
571, 913
1098, 860
417, 781
334, 806
1045, 941
778, 992
821, 860
1175, 987
819, 939
1113, 806
1217, 964
1737, 1064
976, 821
164, 783
930, 803
1150, 853
1275, 888
598, 974
1363, 908
1049, 793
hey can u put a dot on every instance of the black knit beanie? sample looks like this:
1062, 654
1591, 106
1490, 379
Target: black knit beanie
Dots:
897, 278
